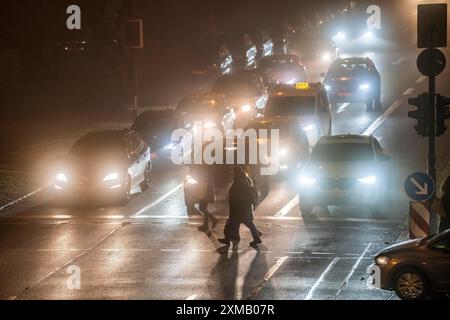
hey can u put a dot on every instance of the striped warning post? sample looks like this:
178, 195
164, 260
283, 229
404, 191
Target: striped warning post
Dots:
419, 220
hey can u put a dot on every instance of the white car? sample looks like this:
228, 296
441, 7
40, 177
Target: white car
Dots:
306, 102
345, 171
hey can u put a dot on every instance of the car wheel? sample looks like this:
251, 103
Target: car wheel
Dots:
411, 284
126, 191
306, 208
147, 177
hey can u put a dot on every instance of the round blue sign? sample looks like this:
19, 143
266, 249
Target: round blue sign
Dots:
420, 187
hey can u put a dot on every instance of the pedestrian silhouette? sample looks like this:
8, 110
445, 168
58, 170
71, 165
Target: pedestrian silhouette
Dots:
243, 197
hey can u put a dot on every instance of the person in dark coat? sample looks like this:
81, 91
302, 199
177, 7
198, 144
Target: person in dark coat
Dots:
242, 199
445, 223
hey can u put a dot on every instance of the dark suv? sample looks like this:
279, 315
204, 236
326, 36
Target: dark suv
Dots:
354, 80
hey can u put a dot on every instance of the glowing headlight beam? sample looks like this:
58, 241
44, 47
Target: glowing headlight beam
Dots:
111, 177
307, 181
61, 177
368, 180
310, 127
364, 87
383, 261
246, 108
191, 180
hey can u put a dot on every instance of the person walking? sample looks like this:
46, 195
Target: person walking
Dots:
203, 206
242, 199
442, 206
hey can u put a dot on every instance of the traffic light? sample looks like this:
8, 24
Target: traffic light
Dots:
442, 114
421, 114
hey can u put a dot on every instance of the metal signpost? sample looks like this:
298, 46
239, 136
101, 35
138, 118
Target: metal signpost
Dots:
432, 110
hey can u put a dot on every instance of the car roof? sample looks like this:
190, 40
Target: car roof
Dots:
346, 139
269, 121
105, 136
281, 56
292, 91
354, 60
202, 96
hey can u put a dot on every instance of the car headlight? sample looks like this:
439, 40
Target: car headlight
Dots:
246, 108
328, 88
326, 56
383, 260
310, 127
283, 152
364, 87
371, 180
209, 125
307, 181
61, 177
111, 177
170, 146
340, 36
191, 180
368, 35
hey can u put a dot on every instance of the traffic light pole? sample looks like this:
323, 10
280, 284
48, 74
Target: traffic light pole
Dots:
432, 130
432, 160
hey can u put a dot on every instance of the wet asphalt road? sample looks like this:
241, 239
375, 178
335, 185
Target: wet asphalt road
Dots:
150, 249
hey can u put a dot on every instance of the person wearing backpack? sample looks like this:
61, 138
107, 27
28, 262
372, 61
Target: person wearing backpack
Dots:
243, 198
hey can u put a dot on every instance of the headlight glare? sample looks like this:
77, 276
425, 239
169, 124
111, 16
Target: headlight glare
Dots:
246, 108
111, 177
365, 86
191, 180
383, 260
371, 180
209, 125
61, 177
310, 127
307, 181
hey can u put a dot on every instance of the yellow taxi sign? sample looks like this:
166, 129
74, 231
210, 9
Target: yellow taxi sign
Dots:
302, 86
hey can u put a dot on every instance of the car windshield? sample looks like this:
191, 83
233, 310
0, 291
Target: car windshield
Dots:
280, 65
153, 123
97, 148
283, 128
291, 106
234, 86
197, 106
343, 152
349, 69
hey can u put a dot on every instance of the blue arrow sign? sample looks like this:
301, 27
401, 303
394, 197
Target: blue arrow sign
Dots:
420, 187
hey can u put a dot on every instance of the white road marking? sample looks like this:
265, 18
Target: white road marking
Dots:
421, 79
322, 276
288, 207
6, 206
170, 250
381, 119
408, 92
191, 298
220, 217
342, 108
274, 269
267, 277
69, 261
159, 200
352, 271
